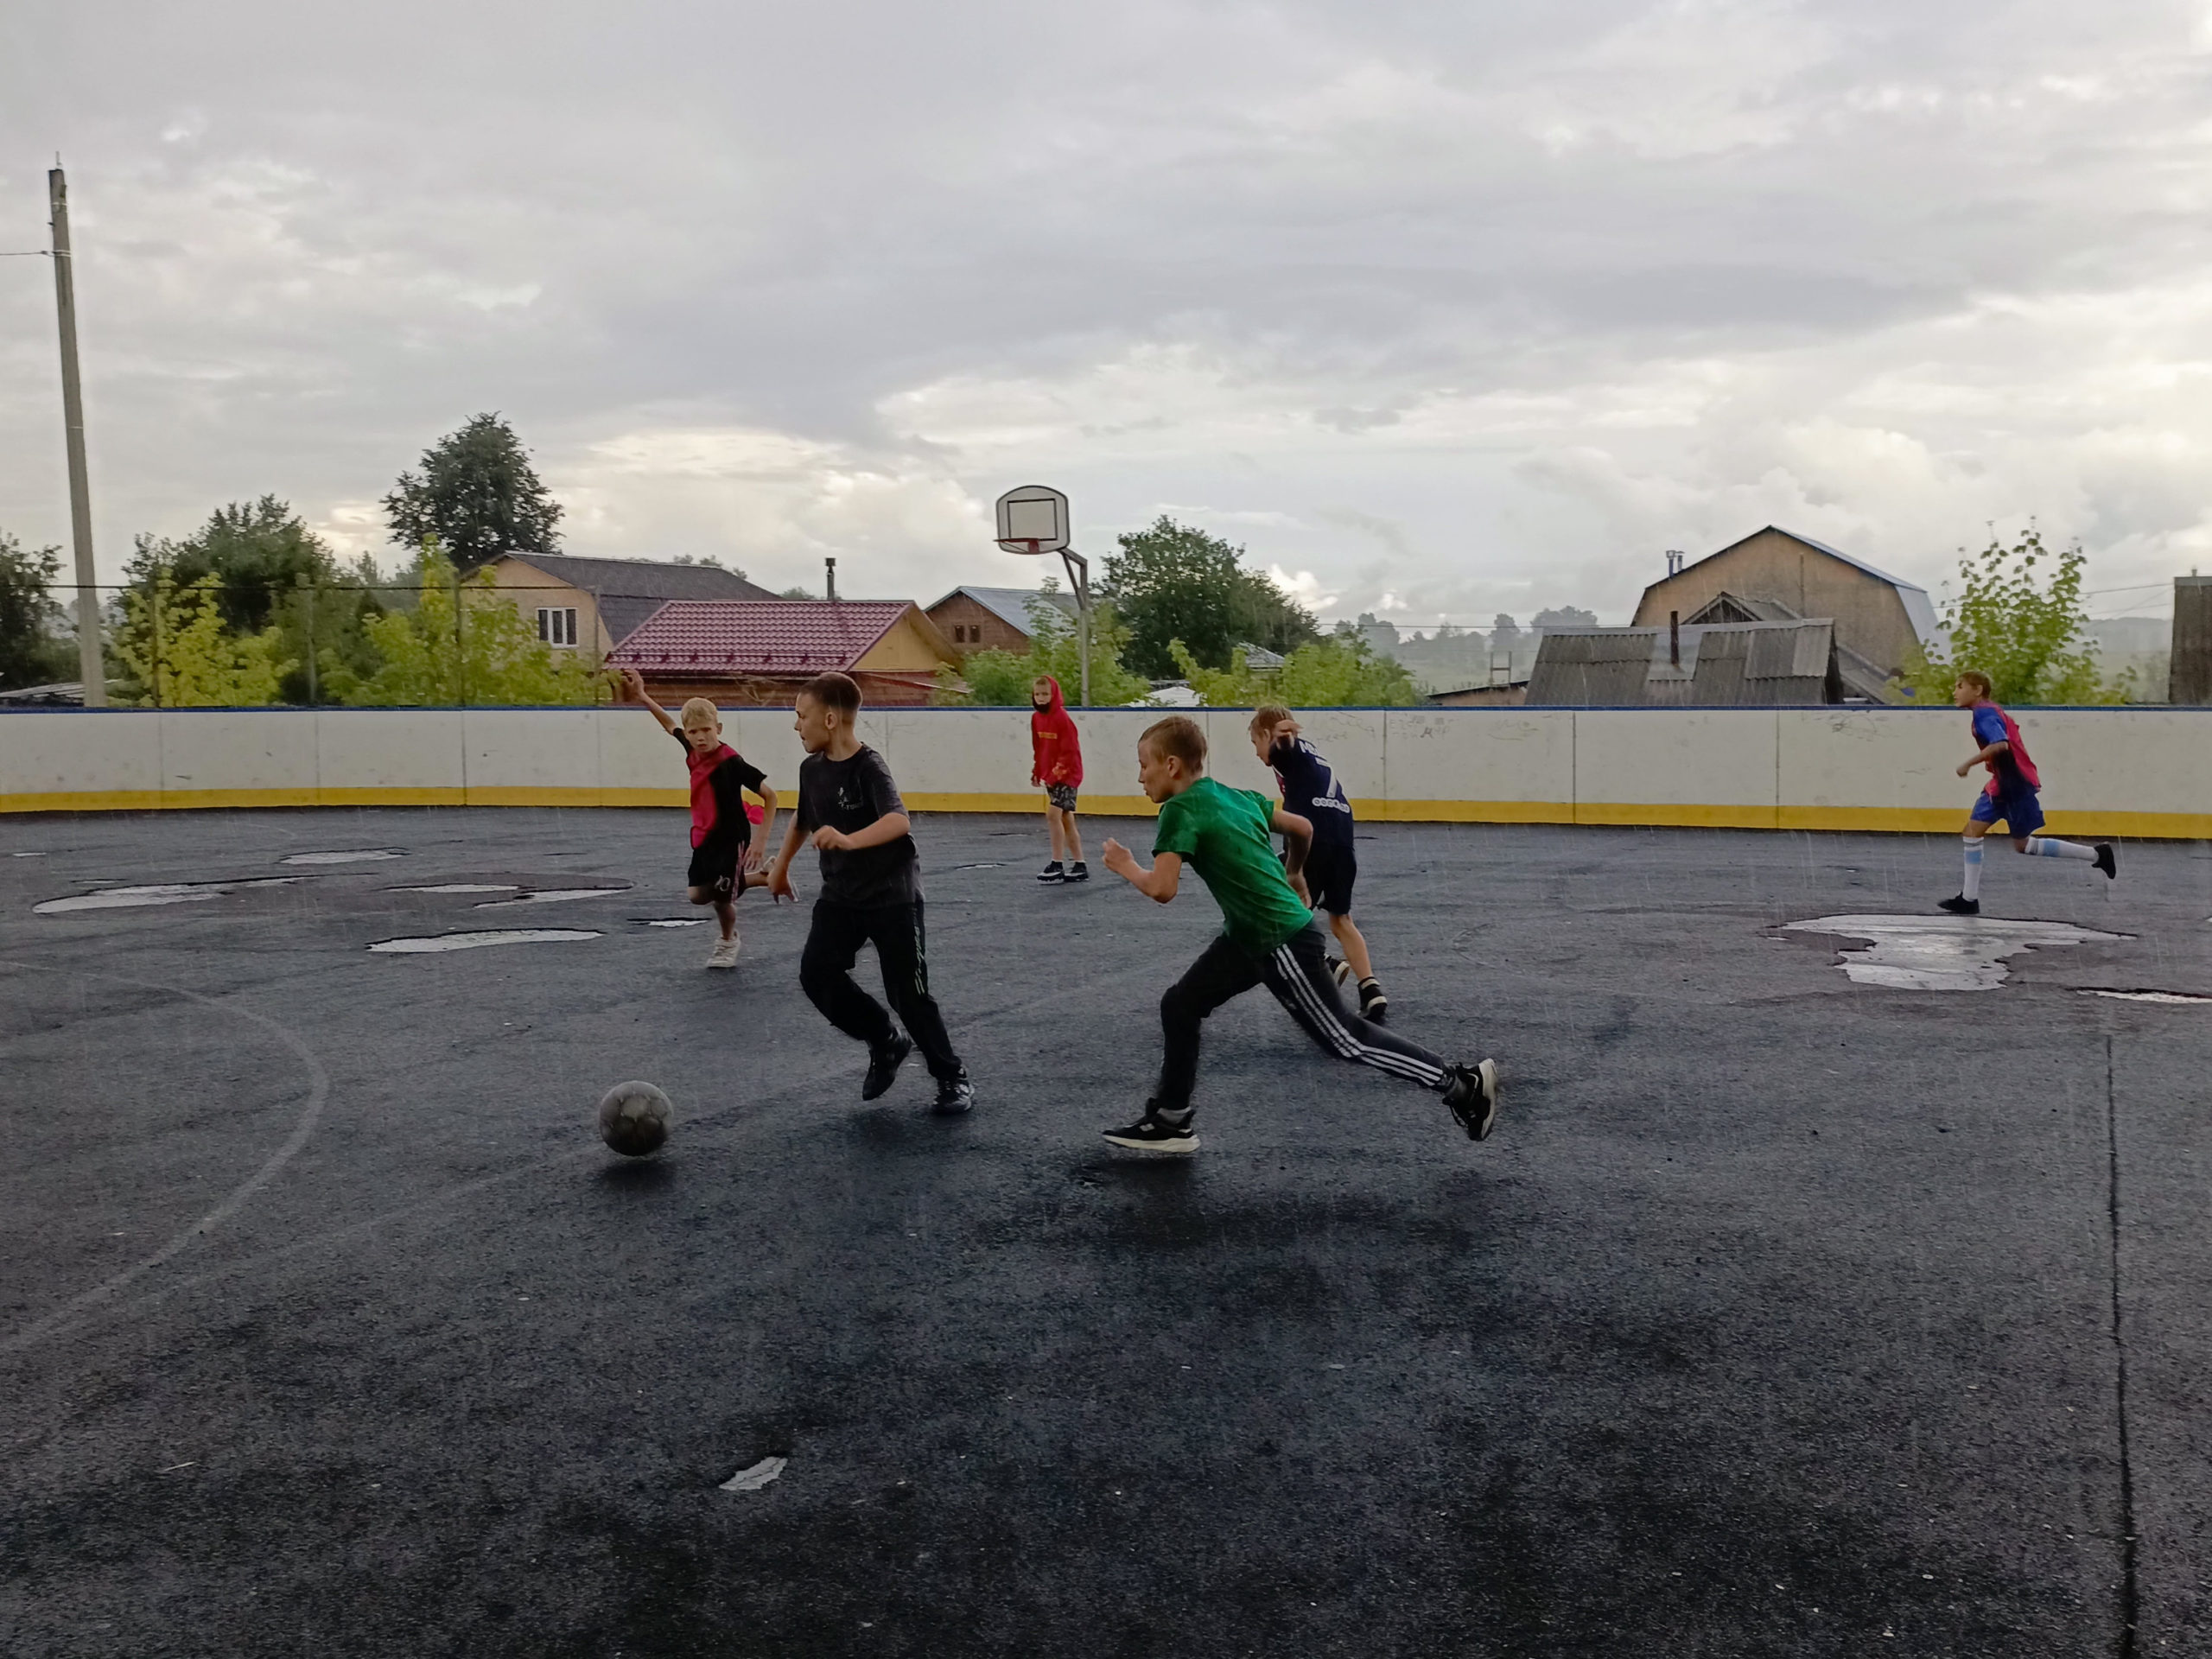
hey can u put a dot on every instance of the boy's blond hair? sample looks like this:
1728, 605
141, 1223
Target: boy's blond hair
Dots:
1267, 716
698, 706
1178, 736
1976, 678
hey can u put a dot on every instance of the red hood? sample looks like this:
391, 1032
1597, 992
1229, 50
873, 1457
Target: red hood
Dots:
1057, 751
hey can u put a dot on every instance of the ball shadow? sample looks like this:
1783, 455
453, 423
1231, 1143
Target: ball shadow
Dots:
648, 1174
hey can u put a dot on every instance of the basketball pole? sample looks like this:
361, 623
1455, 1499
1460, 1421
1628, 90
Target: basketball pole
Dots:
1079, 576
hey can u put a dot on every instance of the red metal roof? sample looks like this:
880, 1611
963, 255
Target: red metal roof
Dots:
777, 637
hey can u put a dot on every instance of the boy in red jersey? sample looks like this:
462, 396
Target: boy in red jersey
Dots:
724, 860
2011, 796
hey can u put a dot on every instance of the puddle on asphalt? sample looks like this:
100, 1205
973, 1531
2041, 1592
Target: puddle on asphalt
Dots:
366, 856
478, 941
552, 896
464, 886
166, 893
2183, 997
1941, 953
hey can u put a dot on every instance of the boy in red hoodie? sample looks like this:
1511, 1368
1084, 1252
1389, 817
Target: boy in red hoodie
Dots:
1057, 763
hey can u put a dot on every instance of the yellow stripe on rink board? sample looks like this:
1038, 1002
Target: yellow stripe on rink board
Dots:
1893, 820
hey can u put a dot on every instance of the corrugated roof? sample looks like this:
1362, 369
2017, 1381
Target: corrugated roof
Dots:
778, 637
1737, 665
1009, 605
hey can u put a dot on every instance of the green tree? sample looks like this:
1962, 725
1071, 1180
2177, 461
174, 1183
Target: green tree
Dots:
257, 551
2027, 635
178, 652
273, 570
478, 495
1174, 581
462, 642
1003, 678
1334, 673
33, 648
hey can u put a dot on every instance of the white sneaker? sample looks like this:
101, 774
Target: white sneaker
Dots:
725, 953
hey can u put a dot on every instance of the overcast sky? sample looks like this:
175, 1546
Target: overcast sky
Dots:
1439, 309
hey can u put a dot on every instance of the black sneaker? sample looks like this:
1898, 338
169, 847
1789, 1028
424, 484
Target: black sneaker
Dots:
1153, 1132
1339, 971
883, 1065
1373, 1007
1472, 1097
2106, 861
1078, 871
1053, 872
954, 1096
1961, 906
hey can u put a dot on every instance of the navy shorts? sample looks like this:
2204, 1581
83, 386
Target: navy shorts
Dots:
1330, 872
2020, 811
715, 864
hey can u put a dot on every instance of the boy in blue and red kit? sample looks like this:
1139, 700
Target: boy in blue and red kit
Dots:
2011, 796
724, 862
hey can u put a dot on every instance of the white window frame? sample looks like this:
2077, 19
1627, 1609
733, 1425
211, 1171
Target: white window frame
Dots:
556, 625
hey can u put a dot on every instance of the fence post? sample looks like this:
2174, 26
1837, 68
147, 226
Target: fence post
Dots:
459, 643
157, 641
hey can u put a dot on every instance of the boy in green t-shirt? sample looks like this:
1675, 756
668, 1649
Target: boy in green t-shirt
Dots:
1268, 936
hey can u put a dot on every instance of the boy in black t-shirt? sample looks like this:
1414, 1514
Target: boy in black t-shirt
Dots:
724, 862
871, 893
1310, 789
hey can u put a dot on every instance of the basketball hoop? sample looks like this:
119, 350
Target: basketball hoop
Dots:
1034, 520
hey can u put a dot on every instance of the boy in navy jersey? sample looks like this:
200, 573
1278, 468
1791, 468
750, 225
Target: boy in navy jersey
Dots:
2011, 796
724, 862
1310, 789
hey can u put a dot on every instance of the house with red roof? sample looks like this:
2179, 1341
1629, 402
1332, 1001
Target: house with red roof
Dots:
760, 651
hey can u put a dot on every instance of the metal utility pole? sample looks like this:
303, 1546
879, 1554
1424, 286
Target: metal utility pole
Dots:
90, 663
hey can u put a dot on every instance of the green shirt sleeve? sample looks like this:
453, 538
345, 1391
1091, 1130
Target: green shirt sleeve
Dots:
1177, 831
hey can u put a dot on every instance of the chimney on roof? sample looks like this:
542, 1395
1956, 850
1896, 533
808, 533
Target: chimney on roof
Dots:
1675, 560
829, 579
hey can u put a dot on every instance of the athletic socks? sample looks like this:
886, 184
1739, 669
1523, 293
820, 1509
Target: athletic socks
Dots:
2039, 848
1971, 890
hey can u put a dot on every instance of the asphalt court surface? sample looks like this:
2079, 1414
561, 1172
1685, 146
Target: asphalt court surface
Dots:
1783, 1314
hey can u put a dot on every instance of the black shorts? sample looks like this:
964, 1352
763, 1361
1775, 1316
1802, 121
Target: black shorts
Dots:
1330, 872
715, 864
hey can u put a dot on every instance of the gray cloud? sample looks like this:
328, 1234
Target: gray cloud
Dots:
1548, 287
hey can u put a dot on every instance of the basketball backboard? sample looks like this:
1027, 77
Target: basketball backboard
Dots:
1034, 520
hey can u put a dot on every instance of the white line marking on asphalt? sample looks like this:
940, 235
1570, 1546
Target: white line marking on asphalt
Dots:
310, 1115
2183, 997
753, 1479
464, 886
552, 896
477, 941
365, 856
1941, 953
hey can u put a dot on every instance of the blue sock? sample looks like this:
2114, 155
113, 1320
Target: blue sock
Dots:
2040, 847
1973, 887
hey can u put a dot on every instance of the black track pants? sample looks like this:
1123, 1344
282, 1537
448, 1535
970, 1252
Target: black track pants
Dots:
1297, 972
825, 973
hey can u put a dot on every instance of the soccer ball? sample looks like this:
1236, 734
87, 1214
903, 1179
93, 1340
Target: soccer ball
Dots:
633, 1118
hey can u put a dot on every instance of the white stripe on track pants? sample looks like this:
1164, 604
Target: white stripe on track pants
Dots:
1297, 972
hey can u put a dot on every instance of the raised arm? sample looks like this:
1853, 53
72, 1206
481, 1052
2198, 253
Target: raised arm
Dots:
1158, 884
1988, 757
634, 690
